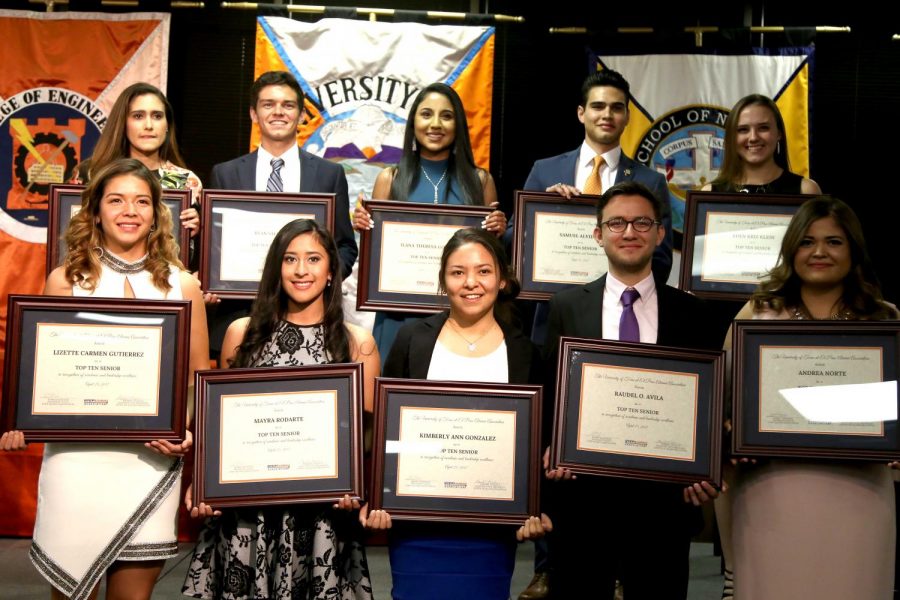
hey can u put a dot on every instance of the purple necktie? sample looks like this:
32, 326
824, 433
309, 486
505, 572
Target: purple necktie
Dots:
628, 325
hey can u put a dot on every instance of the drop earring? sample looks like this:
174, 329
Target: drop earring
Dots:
414, 145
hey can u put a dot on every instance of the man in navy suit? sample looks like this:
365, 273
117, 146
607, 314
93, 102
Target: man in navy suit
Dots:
604, 113
637, 530
279, 164
276, 105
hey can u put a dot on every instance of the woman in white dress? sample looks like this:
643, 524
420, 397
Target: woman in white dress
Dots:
111, 507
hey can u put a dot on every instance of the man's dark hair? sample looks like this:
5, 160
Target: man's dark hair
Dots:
275, 78
629, 188
606, 77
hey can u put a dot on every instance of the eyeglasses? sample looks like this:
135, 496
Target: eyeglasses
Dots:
641, 224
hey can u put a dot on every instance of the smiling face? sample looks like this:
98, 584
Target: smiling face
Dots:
756, 134
604, 115
278, 113
472, 281
629, 252
305, 272
823, 258
125, 215
146, 126
435, 126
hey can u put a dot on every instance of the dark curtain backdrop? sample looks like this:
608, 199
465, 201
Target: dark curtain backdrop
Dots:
856, 93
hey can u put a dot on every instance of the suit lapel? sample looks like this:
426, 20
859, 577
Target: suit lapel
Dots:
590, 314
307, 173
421, 347
665, 322
626, 169
247, 171
570, 166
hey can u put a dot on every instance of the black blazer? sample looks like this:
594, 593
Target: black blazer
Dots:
410, 356
317, 175
682, 318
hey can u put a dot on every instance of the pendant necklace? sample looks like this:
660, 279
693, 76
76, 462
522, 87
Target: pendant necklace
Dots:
435, 185
472, 345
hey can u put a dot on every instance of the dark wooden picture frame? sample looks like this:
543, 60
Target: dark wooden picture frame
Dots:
524, 246
368, 296
20, 371
392, 395
748, 340
322, 206
698, 206
706, 365
63, 197
346, 382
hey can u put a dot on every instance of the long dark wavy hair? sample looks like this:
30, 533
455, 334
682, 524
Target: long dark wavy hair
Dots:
503, 307
862, 292
732, 172
113, 142
461, 166
84, 236
271, 300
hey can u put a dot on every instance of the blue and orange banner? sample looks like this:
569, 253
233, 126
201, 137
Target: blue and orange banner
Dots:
360, 78
61, 74
680, 103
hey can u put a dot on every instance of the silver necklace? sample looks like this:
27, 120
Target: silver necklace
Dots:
435, 185
472, 345
120, 265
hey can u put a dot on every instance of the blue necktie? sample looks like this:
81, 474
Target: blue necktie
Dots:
628, 325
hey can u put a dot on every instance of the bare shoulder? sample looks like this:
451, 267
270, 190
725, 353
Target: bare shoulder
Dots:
190, 285
382, 188
808, 186
363, 342
238, 327
57, 284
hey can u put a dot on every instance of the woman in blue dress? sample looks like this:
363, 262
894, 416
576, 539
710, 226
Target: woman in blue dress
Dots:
437, 167
472, 341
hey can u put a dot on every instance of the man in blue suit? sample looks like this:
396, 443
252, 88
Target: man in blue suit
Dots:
280, 165
604, 113
593, 167
276, 106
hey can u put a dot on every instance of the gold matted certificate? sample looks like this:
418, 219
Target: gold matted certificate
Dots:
564, 249
249, 234
741, 247
785, 367
278, 436
411, 256
638, 412
456, 453
97, 370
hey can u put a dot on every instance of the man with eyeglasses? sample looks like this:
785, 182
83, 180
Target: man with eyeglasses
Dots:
637, 530
597, 164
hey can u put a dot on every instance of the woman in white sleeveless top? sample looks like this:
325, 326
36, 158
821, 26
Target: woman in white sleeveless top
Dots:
111, 507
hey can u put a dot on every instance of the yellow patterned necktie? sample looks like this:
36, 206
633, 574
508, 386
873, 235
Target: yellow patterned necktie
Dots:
593, 184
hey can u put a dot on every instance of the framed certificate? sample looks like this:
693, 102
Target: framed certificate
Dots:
238, 228
553, 243
96, 369
776, 413
65, 201
278, 435
638, 411
456, 451
400, 257
731, 240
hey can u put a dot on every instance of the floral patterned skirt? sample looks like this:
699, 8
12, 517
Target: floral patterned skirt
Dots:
293, 553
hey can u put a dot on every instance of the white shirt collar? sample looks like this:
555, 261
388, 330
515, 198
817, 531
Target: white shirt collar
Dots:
645, 287
587, 154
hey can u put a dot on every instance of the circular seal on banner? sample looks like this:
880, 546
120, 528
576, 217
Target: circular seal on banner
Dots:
44, 133
686, 146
